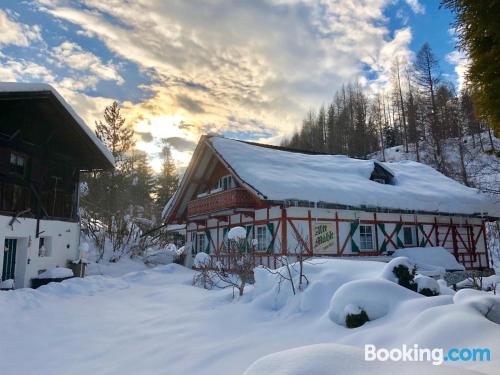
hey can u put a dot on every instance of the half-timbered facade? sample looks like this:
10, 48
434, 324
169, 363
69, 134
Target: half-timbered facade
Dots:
44, 146
323, 205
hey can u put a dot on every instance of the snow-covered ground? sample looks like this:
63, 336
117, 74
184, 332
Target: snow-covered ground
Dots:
155, 322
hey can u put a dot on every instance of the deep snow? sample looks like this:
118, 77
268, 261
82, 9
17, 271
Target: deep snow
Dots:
156, 322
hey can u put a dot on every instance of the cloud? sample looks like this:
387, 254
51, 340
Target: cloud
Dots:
145, 136
12, 32
264, 60
181, 144
189, 104
416, 6
73, 56
461, 62
21, 70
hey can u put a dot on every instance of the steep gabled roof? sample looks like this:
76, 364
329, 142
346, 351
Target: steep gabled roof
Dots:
93, 153
278, 175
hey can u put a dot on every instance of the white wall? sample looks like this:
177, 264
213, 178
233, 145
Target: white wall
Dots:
64, 238
391, 220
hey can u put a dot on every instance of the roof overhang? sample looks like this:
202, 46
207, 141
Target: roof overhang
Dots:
44, 114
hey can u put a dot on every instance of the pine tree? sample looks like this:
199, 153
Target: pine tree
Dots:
478, 30
106, 189
140, 182
168, 180
117, 137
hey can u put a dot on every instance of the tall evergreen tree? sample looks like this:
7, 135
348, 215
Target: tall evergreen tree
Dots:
478, 30
168, 180
114, 133
106, 197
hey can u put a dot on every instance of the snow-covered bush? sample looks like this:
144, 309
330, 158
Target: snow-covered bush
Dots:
485, 303
444, 289
237, 272
376, 297
427, 286
237, 233
354, 316
202, 260
480, 280
401, 271
204, 277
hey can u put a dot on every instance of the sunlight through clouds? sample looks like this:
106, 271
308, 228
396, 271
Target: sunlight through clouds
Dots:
181, 69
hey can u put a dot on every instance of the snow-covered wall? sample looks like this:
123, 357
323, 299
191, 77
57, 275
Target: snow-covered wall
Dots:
61, 244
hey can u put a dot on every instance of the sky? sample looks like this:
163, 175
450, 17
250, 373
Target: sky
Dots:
245, 69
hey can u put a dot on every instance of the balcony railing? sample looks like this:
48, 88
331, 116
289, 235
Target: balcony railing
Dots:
234, 198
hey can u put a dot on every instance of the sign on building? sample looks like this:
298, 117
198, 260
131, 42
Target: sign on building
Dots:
324, 238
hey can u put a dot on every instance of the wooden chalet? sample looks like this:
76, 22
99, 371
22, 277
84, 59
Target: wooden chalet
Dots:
323, 205
44, 146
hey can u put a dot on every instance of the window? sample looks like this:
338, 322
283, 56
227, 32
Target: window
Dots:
226, 183
44, 248
379, 180
365, 237
201, 243
17, 163
408, 238
261, 235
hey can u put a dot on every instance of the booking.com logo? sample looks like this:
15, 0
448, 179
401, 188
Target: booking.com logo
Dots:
415, 353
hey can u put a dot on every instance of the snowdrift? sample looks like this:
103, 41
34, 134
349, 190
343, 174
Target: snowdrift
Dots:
154, 321
327, 359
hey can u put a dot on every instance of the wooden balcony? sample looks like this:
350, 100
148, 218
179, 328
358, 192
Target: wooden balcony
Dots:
234, 198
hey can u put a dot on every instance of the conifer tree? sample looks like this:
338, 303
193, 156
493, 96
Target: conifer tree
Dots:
107, 189
478, 30
168, 180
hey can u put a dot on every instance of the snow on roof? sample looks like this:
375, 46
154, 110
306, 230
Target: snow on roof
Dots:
285, 175
44, 87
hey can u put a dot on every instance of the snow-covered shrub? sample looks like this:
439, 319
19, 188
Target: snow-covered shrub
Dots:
401, 271
205, 277
376, 297
355, 316
480, 280
485, 303
202, 260
444, 289
237, 233
427, 286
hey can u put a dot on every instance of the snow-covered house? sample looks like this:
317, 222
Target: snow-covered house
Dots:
44, 146
323, 205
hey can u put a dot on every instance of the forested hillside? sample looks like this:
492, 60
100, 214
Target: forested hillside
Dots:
421, 116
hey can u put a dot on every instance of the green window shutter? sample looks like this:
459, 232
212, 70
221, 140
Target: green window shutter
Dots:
248, 246
398, 240
270, 228
225, 231
423, 242
208, 237
354, 246
383, 246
